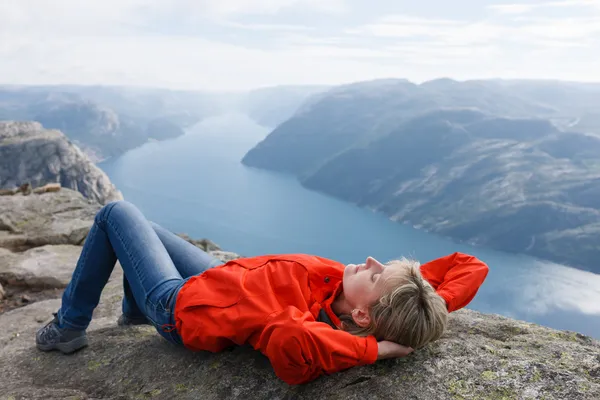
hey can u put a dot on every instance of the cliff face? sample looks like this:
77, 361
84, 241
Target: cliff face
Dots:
480, 356
31, 154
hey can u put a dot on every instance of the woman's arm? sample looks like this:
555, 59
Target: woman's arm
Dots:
456, 277
301, 349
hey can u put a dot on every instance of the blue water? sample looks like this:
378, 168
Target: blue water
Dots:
197, 185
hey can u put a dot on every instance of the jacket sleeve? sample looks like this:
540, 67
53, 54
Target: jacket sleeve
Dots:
456, 277
301, 349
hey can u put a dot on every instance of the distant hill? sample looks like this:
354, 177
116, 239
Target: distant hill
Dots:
107, 121
486, 162
271, 106
348, 114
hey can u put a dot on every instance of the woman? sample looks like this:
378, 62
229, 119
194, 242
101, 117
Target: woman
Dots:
309, 315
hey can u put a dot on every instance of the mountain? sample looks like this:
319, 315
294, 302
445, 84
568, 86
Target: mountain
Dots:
100, 131
484, 162
31, 154
359, 112
107, 121
271, 106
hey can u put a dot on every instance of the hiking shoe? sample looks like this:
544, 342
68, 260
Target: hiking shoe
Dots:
124, 320
66, 340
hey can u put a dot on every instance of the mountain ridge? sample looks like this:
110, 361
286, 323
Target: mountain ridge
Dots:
106, 121
475, 167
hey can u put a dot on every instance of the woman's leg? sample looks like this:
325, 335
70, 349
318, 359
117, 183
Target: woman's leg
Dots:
119, 231
187, 258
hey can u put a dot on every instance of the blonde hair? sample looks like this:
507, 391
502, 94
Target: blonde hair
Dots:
409, 312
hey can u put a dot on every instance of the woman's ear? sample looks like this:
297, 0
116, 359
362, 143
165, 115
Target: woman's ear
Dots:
361, 317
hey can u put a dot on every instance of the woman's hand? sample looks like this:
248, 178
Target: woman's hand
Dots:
387, 349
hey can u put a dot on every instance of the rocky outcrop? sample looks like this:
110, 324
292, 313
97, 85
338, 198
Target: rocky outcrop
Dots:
63, 217
44, 267
204, 244
480, 356
31, 154
41, 237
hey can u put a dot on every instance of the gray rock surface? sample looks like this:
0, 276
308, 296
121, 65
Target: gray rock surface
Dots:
63, 217
204, 244
480, 357
224, 256
15, 336
2, 292
31, 154
44, 267
51, 266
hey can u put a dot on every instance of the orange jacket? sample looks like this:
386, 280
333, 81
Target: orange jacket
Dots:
280, 304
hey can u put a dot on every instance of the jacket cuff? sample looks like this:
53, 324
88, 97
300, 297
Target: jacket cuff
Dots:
371, 351
447, 296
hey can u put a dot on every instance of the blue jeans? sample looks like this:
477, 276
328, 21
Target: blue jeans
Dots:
156, 263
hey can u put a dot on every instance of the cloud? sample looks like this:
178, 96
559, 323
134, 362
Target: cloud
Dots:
179, 62
523, 8
512, 8
406, 26
434, 31
551, 286
265, 6
522, 30
69, 16
265, 27
236, 44
565, 28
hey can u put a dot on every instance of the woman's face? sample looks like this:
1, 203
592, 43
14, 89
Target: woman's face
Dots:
364, 284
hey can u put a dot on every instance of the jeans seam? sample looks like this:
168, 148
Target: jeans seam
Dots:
84, 257
148, 304
131, 258
134, 267
74, 280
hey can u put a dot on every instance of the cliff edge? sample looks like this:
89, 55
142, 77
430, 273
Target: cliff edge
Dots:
480, 356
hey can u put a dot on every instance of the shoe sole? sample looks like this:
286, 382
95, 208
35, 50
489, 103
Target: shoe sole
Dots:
135, 324
67, 347
131, 322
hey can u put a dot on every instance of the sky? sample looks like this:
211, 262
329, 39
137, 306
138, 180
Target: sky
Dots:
243, 44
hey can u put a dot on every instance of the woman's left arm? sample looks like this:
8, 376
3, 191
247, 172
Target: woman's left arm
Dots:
301, 349
456, 277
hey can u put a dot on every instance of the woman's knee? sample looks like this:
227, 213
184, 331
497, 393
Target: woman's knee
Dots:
119, 207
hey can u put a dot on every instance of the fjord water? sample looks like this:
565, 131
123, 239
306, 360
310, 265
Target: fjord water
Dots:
197, 185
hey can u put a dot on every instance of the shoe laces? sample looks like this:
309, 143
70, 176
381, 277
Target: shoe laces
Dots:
50, 333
